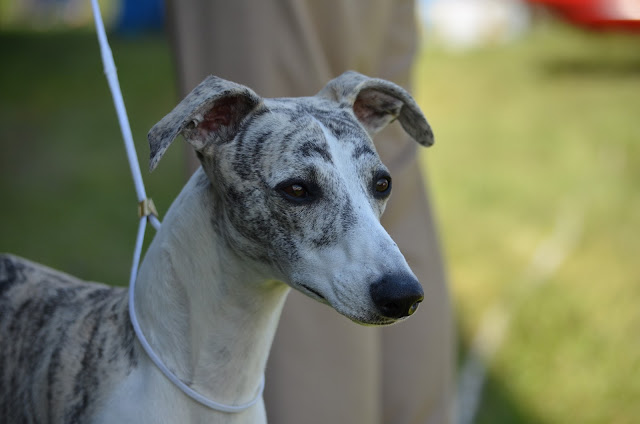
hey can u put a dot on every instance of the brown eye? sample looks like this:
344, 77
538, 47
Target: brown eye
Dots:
382, 185
296, 190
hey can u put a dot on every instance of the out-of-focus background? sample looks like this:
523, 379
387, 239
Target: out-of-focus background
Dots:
535, 177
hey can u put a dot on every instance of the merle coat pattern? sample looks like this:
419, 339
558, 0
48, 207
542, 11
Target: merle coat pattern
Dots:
289, 194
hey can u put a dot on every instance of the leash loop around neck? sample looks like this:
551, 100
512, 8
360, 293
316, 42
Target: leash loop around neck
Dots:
156, 359
147, 212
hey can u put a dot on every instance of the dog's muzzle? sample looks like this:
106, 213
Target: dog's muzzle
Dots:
397, 296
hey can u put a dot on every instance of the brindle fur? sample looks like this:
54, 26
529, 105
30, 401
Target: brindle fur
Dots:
211, 286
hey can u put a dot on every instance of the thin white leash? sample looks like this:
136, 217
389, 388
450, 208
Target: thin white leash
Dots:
147, 211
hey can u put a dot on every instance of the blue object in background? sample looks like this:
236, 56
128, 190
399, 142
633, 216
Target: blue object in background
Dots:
138, 16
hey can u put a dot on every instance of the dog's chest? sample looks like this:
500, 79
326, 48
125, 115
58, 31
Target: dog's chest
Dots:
146, 397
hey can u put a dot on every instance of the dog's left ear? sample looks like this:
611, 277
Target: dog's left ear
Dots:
211, 113
377, 102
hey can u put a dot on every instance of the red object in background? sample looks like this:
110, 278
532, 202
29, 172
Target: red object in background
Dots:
598, 14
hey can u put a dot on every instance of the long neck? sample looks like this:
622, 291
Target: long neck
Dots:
209, 314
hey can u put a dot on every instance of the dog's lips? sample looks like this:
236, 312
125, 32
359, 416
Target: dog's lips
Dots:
315, 293
362, 319
377, 321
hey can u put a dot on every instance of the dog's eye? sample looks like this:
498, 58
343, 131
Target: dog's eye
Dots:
296, 190
382, 185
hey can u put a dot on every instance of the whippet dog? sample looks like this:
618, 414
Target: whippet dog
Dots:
289, 194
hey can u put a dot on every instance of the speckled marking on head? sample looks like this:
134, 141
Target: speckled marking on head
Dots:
288, 139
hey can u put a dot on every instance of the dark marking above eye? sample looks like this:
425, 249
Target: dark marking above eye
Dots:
310, 148
244, 165
361, 150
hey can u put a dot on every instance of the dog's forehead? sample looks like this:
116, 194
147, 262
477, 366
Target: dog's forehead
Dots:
340, 120
299, 124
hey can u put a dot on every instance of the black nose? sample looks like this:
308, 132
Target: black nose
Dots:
397, 295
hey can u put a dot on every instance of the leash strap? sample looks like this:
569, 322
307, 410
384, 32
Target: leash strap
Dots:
146, 212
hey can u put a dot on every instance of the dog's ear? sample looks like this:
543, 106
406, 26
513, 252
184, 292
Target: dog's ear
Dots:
211, 113
377, 102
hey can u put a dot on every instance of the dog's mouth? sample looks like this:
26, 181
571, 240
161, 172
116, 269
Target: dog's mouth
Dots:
371, 321
315, 293
374, 322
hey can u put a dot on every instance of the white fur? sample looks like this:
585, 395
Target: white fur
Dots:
224, 311
220, 341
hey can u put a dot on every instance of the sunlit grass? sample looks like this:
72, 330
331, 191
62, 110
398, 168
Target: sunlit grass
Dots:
528, 132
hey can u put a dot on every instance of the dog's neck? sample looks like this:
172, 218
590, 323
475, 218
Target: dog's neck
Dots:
208, 314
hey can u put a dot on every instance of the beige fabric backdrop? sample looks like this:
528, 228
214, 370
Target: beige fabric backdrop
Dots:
324, 368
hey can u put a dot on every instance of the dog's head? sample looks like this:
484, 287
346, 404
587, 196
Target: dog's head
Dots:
298, 186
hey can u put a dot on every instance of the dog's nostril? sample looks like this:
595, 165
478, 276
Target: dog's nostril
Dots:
397, 296
414, 307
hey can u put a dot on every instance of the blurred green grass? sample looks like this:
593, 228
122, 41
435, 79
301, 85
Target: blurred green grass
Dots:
67, 194
544, 127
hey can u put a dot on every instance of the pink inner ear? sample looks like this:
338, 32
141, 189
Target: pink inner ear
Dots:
362, 111
375, 109
219, 116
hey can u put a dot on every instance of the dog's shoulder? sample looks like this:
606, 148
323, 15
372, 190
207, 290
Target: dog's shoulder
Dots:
63, 341
15, 271
22, 278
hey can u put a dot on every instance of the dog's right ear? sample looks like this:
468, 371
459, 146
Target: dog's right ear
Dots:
376, 102
211, 113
